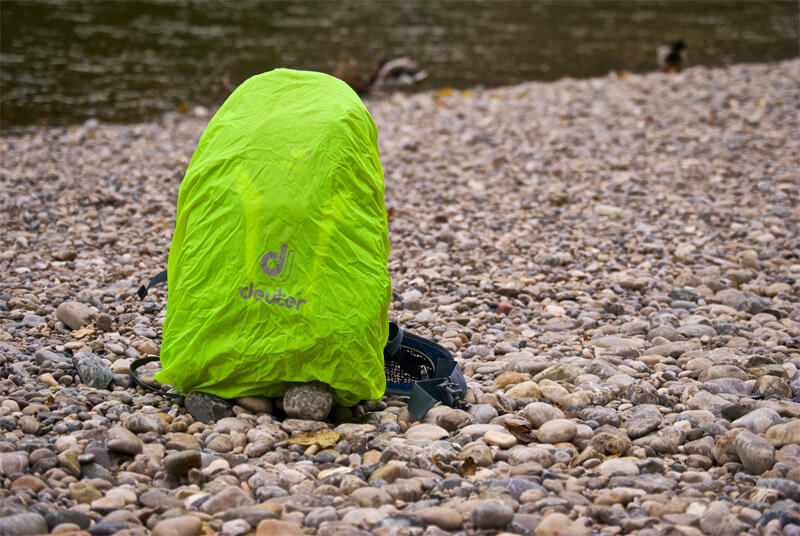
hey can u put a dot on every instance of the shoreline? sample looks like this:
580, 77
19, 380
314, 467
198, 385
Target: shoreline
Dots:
205, 113
614, 262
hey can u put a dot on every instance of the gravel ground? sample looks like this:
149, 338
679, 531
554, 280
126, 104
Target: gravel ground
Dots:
615, 263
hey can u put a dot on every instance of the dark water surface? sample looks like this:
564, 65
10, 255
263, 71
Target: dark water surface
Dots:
62, 62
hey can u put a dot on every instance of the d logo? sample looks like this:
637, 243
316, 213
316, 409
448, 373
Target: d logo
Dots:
277, 267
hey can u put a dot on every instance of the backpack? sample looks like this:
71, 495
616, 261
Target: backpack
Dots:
278, 263
277, 268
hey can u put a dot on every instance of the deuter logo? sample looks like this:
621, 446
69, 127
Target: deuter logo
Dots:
278, 267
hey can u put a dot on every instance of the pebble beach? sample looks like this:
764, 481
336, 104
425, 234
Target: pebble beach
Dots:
614, 263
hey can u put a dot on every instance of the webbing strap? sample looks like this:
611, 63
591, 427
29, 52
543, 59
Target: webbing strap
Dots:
135, 376
160, 277
394, 343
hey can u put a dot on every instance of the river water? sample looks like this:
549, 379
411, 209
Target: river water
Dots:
63, 62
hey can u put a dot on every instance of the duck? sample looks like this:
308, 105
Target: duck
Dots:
672, 58
390, 73
397, 72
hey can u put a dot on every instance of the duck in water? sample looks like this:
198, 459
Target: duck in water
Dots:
389, 74
671, 59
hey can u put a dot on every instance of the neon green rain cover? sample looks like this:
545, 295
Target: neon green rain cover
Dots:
277, 268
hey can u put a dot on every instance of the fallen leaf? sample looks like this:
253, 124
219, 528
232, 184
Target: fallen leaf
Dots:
323, 439
521, 432
468, 467
444, 92
83, 332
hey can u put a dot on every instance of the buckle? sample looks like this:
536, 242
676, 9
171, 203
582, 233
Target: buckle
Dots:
450, 392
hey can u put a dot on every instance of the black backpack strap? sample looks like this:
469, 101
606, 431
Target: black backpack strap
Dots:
135, 377
160, 277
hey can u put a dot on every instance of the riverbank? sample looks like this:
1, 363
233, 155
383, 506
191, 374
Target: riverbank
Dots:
615, 263
138, 60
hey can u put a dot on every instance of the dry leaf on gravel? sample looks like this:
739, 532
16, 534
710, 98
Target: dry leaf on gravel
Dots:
469, 467
521, 432
83, 332
323, 439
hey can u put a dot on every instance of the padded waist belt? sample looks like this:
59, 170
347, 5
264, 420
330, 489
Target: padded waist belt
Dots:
433, 373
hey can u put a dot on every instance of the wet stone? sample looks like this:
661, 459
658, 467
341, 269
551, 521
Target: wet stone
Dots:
59, 517
23, 524
104, 322
230, 497
320, 515
107, 528
256, 404
442, 517
28, 481
556, 431
426, 431
539, 413
312, 401
566, 372
453, 419
207, 408
95, 470
74, 315
758, 421
43, 356
178, 526
179, 463
124, 441
482, 413
491, 515
641, 392
478, 453
618, 467
84, 492
92, 370
140, 423
787, 433
756, 453
601, 415
154, 498
516, 486
13, 462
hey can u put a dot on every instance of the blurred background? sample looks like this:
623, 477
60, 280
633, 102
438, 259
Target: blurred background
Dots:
63, 62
